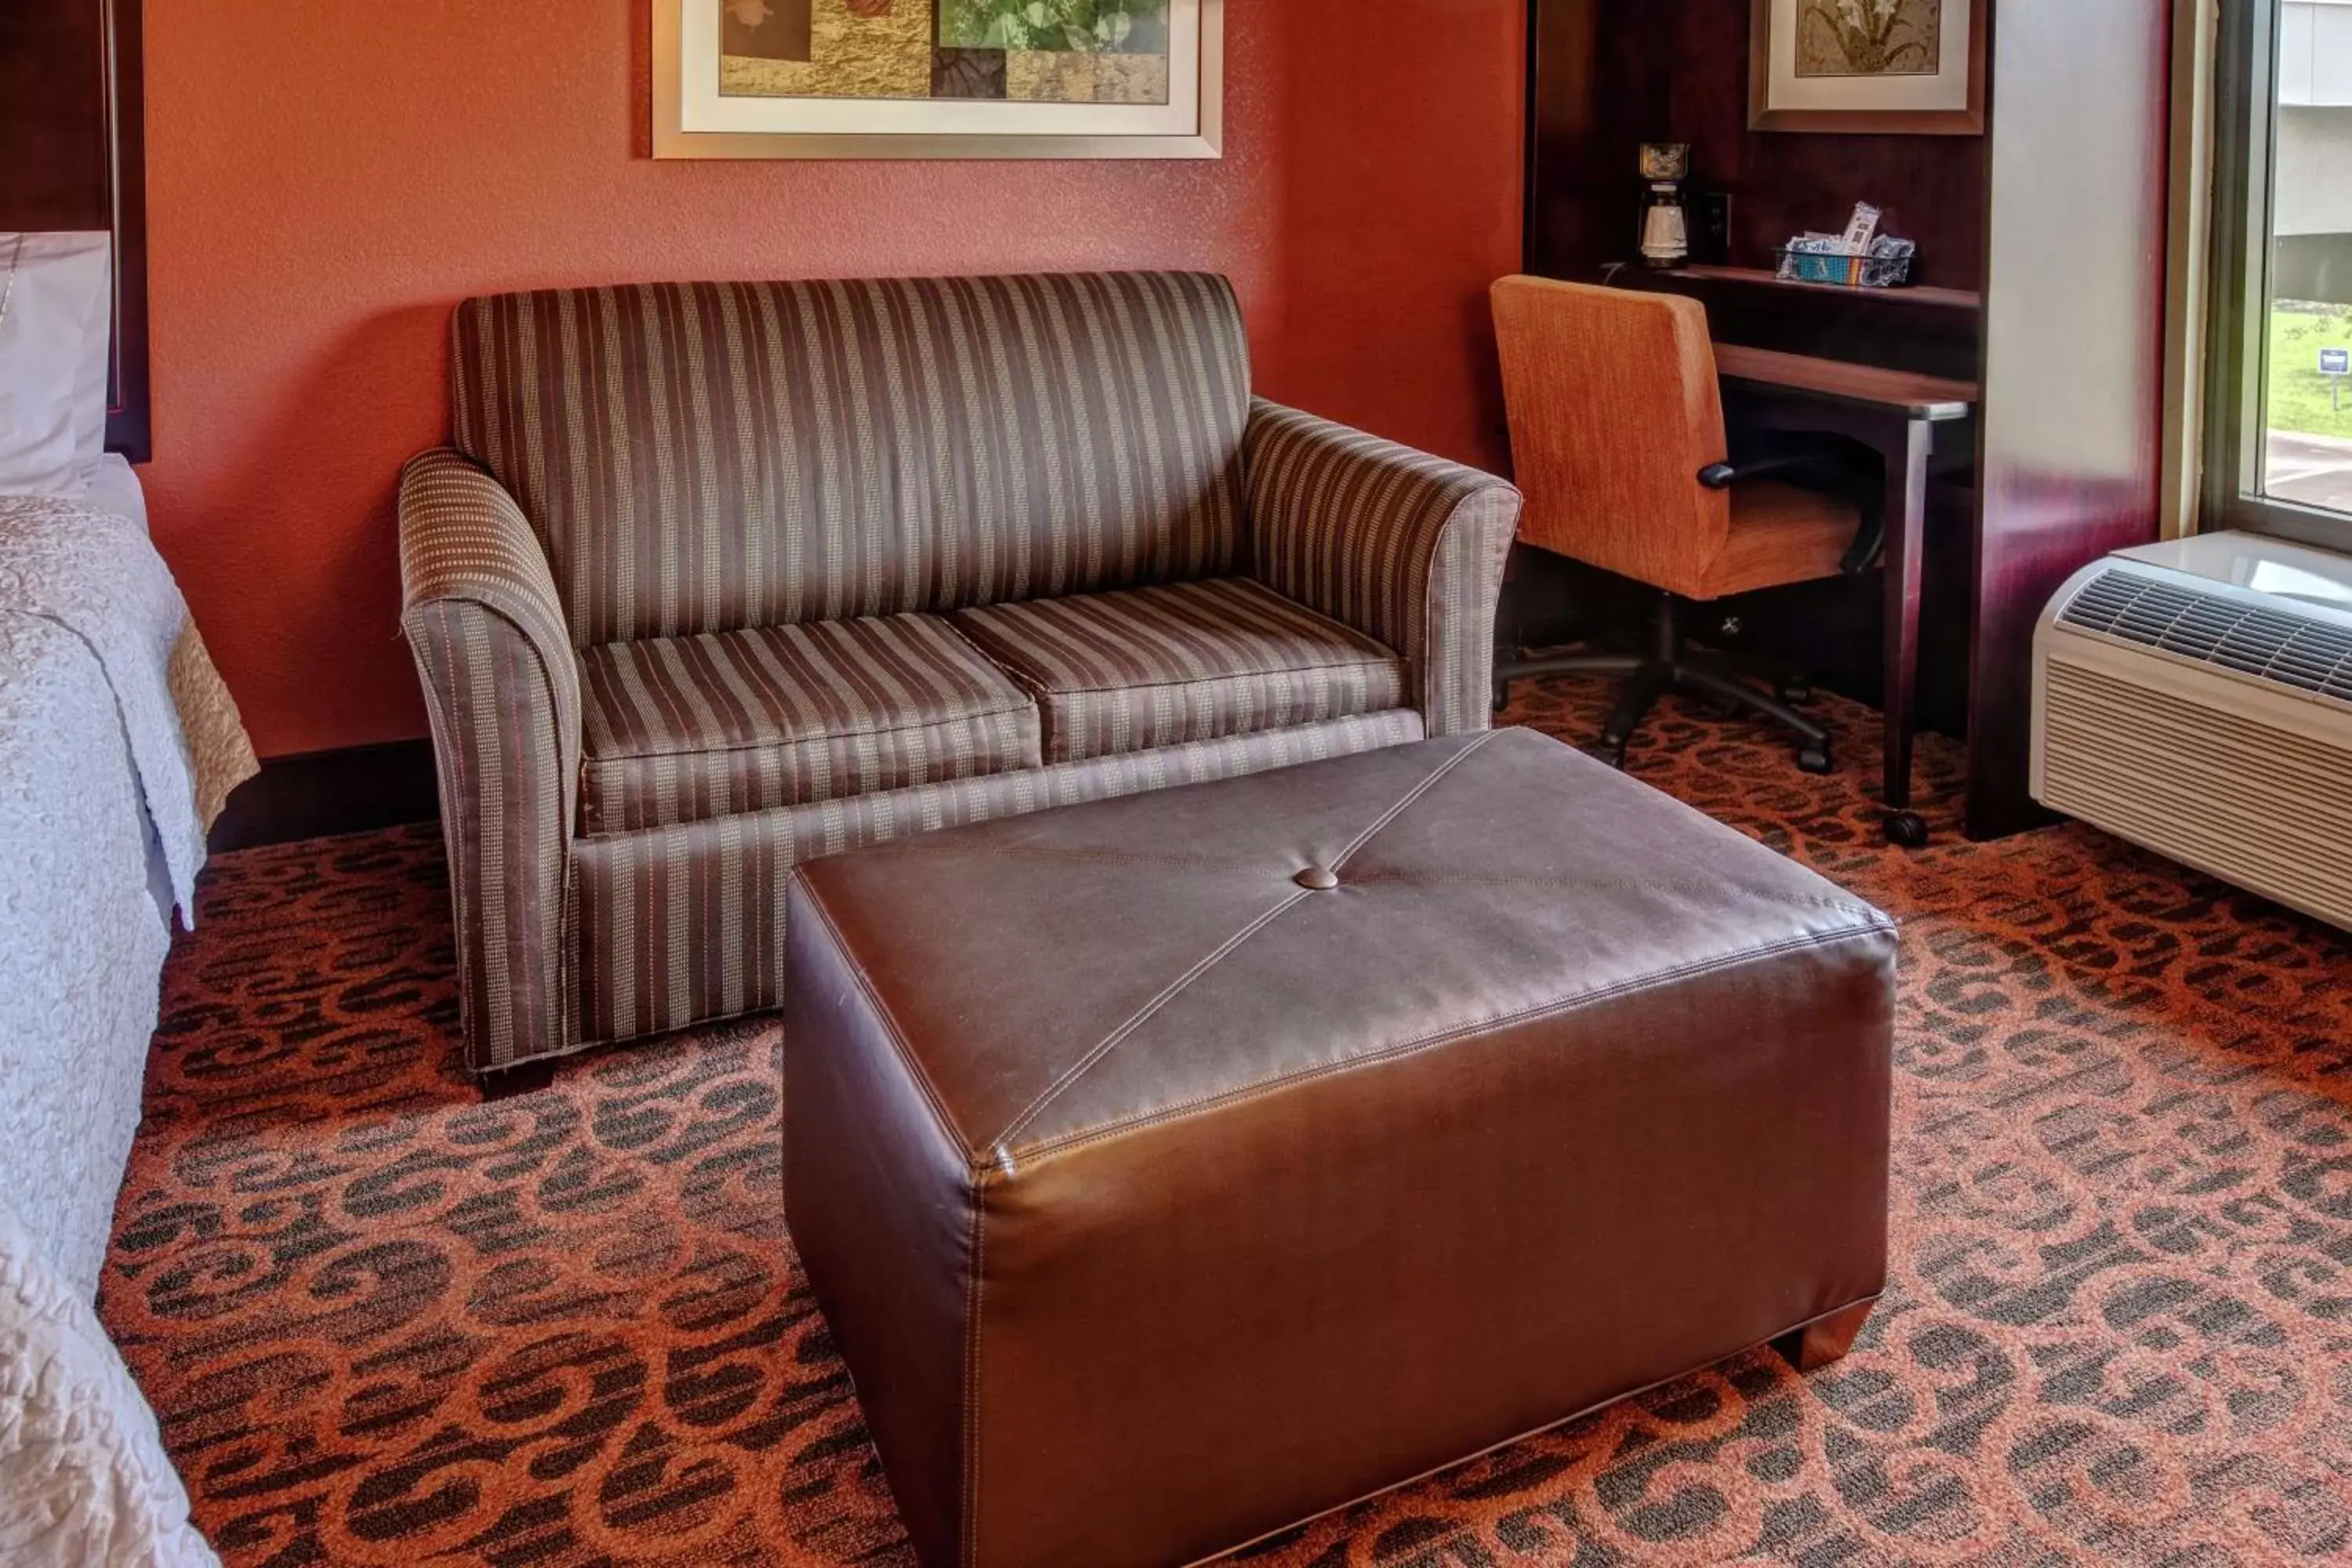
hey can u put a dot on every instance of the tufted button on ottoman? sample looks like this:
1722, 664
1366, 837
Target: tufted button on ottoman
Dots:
1160, 1193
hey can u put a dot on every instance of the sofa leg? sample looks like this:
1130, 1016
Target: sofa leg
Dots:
505, 1083
1824, 1339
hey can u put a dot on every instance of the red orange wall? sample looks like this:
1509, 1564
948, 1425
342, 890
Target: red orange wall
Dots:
1400, 126
326, 180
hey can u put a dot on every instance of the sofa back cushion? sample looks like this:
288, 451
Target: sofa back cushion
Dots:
715, 456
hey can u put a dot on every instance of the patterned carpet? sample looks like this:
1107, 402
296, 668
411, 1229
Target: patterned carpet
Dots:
387, 1323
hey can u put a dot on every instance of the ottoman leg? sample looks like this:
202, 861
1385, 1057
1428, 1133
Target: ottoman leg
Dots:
1824, 1339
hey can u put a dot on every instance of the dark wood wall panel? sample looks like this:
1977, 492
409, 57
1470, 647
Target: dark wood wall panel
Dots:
53, 116
2057, 218
72, 156
2075, 312
1930, 187
1601, 87
1611, 75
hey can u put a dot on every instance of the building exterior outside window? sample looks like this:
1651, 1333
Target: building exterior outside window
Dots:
2307, 402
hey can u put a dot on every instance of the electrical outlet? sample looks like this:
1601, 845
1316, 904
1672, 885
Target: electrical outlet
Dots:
1715, 227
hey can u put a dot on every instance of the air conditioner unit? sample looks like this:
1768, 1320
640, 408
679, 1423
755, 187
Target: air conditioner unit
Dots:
2196, 698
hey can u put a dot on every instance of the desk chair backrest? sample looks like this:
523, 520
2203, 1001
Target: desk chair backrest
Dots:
1614, 409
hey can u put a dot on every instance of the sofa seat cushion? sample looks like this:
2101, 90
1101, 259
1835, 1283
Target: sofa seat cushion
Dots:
1119, 673
681, 730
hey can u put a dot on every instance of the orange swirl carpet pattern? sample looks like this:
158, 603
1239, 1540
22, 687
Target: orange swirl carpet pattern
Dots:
387, 1323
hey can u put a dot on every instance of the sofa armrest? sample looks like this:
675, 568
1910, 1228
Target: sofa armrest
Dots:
1404, 547
502, 687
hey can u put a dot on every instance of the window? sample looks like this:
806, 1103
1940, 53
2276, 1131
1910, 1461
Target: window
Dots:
2280, 426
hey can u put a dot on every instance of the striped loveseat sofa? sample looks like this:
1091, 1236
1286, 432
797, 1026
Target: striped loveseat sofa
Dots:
715, 578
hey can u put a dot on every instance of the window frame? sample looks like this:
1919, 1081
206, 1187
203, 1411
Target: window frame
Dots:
2245, 145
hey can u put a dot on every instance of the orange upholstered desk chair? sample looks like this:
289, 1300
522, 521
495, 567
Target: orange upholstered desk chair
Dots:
1617, 429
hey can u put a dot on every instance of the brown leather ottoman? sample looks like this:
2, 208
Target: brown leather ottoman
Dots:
1174, 1169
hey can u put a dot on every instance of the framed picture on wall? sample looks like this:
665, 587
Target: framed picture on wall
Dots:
938, 78
1869, 66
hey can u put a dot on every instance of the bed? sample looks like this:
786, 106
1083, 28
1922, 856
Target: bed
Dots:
118, 744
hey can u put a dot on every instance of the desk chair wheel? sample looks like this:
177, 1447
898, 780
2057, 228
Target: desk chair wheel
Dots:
1502, 695
1814, 760
1906, 829
1611, 752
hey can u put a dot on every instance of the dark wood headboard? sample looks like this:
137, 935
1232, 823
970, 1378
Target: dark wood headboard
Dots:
73, 156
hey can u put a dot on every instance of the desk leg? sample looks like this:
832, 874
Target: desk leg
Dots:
1906, 526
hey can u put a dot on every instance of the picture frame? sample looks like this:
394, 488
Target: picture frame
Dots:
938, 78
1882, 67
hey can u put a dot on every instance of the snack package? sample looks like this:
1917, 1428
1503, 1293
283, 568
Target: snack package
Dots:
1861, 229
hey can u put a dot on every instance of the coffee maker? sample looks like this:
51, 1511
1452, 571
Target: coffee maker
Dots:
1665, 222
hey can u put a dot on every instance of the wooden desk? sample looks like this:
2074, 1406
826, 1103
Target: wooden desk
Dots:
1897, 414
1930, 398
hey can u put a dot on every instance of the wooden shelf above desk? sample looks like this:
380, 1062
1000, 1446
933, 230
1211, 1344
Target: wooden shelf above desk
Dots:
1942, 299
1934, 331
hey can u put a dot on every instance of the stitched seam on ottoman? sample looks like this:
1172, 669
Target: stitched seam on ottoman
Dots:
1183, 982
1419, 790
1604, 885
1144, 1015
890, 1030
971, 1374
1227, 1098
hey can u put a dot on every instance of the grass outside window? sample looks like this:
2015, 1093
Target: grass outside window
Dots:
2301, 399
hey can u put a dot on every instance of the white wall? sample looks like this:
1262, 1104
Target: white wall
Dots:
2316, 53
2313, 172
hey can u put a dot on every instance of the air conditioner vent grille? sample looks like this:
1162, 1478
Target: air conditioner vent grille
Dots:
2292, 651
2232, 792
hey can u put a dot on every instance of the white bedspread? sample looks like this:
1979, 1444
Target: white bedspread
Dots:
84, 1482
84, 948
117, 740
94, 574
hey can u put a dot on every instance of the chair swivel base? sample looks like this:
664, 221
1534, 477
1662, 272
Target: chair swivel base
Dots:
1671, 665
1699, 674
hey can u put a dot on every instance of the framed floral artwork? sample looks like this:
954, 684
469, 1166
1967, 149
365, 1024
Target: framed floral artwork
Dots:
938, 78
1869, 66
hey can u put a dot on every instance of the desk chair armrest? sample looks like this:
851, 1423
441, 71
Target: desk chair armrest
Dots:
1405, 548
1723, 476
1869, 537
502, 688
